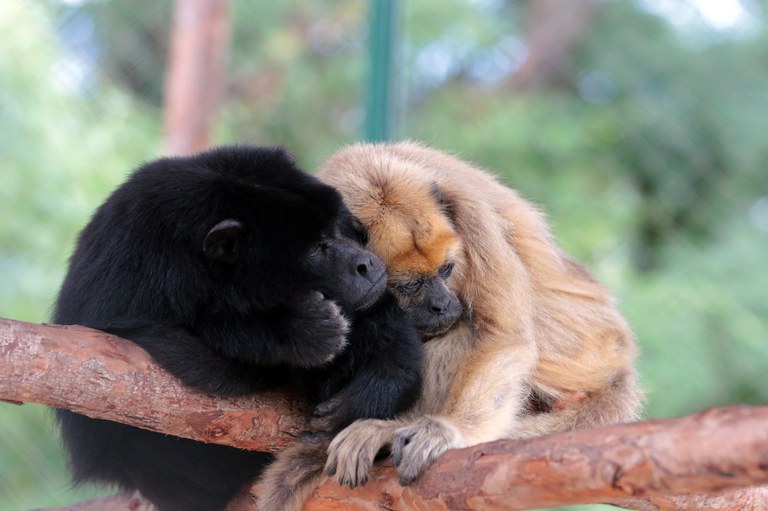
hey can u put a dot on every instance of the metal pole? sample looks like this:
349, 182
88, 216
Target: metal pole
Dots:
380, 100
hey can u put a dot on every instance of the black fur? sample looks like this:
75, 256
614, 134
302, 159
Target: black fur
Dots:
222, 266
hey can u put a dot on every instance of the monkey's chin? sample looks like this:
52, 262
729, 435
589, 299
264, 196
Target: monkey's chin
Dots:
431, 332
373, 294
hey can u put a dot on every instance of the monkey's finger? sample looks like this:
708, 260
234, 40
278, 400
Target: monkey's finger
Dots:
412, 466
397, 453
330, 467
309, 436
321, 424
416, 456
326, 407
402, 439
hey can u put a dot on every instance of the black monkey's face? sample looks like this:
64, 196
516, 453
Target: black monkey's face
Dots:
347, 273
332, 261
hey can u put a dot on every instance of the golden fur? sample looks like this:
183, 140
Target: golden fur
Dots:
540, 347
289, 480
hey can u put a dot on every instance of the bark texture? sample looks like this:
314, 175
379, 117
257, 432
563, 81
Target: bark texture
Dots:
105, 377
646, 462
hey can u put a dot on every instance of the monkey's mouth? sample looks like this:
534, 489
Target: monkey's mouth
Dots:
373, 294
429, 332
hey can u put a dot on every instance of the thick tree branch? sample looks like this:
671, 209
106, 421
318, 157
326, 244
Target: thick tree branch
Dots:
653, 465
716, 450
105, 377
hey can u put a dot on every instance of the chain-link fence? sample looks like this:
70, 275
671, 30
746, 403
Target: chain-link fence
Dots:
639, 126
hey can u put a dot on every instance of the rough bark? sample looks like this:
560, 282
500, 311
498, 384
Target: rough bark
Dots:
196, 73
652, 465
717, 450
102, 376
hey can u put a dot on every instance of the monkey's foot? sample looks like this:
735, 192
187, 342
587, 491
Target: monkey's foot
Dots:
417, 445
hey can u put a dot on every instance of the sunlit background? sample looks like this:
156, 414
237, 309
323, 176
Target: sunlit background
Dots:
641, 127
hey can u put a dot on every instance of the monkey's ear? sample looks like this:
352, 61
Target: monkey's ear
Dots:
221, 242
445, 203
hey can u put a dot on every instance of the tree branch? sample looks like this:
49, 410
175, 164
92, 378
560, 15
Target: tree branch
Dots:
717, 450
102, 376
653, 465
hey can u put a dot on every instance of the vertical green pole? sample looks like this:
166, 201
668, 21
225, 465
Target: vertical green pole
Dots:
380, 101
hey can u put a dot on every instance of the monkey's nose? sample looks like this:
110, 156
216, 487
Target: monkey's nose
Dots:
440, 305
363, 264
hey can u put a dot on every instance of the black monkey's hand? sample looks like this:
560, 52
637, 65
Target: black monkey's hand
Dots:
332, 414
318, 332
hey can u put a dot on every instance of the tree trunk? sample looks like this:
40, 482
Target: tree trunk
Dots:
196, 73
553, 29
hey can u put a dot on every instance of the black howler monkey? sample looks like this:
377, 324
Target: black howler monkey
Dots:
237, 272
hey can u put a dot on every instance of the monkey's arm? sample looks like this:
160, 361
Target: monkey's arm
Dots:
486, 397
195, 364
385, 355
308, 332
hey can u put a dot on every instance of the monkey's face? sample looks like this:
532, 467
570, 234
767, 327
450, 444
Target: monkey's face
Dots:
428, 300
346, 272
335, 263
414, 236
408, 224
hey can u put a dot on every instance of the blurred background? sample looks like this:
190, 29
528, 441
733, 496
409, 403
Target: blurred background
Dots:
641, 127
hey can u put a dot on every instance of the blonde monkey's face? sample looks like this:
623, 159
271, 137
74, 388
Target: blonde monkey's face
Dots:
407, 224
428, 300
421, 252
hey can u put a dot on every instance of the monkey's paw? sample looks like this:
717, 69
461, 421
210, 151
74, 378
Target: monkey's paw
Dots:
418, 444
352, 452
319, 330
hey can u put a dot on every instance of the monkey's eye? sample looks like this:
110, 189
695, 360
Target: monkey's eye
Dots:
411, 287
361, 236
320, 248
445, 270
361, 233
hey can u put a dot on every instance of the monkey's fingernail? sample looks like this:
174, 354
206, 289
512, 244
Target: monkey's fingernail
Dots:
331, 470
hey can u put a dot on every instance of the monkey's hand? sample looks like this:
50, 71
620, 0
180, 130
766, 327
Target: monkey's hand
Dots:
318, 330
332, 414
352, 452
417, 445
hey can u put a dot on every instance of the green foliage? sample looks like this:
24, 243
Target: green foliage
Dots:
685, 124
60, 153
706, 343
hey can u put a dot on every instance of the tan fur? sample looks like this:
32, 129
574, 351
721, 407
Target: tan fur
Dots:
535, 324
295, 473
